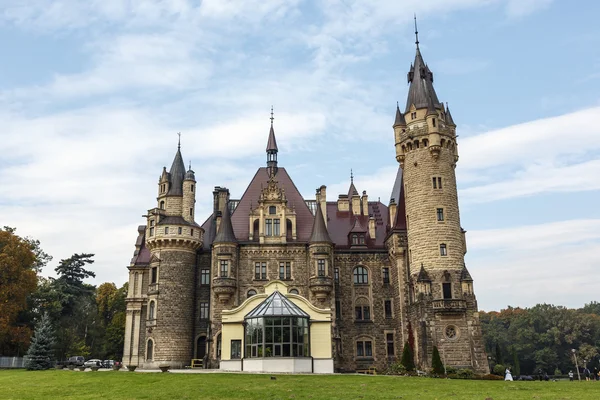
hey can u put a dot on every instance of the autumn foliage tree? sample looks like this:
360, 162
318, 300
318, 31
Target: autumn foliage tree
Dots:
18, 280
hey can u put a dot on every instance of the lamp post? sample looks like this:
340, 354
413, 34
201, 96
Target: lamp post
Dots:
490, 363
576, 365
443, 355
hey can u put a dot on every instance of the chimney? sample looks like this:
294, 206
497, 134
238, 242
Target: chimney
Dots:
365, 203
342, 203
356, 204
372, 226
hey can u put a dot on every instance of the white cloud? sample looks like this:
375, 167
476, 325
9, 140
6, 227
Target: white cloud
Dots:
522, 8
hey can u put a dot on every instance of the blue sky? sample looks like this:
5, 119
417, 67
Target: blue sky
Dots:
93, 93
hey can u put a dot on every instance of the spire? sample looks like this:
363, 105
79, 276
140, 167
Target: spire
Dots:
449, 119
352, 189
420, 78
319, 230
416, 32
399, 121
177, 172
423, 275
272, 149
225, 233
465, 276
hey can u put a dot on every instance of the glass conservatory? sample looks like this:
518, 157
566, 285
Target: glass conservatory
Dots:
276, 328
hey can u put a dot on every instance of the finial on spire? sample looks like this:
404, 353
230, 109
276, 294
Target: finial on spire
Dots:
272, 117
416, 32
190, 165
351, 176
179, 141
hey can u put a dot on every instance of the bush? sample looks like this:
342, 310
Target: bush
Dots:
499, 370
489, 377
436, 362
451, 370
395, 369
465, 374
408, 358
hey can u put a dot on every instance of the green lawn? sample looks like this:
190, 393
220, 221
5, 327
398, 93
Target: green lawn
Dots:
121, 385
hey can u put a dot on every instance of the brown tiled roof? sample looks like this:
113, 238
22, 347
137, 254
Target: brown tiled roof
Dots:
340, 223
225, 233
175, 219
304, 218
358, 226
272, 143
141, 257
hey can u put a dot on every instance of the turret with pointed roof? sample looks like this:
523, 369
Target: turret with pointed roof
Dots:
225, 233
177, 174
319, 231
272, 149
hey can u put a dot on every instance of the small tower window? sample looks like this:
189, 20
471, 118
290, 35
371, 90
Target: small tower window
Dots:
440, 214
443, 250
150, 350
437, 182
447, 289
151, 232
180, 230
321, 267
433, 122
272, 210
416, 144
162, 205
224, 268
154, 275
151, 222
151, 310
192, 232
191, 212
166, 230
192, 188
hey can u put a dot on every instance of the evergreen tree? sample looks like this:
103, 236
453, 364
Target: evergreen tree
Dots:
408, 358
41, 351
516, 365
436, 362
498, 355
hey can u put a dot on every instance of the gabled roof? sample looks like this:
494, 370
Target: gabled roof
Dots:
423, 275
141, 255
177, 175
352, 190
465, 275
340, 223
358, 227
319, 231
421, 85
225, 233
276, 305
304, 217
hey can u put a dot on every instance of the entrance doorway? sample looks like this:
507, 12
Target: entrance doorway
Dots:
201, 347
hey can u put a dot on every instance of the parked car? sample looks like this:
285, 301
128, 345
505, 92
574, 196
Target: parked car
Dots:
108, 363
77, 361
94, 362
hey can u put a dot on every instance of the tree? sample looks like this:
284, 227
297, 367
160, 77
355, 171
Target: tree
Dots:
436, 362
17, 281
41, 351
499, 359
516, 365
407, 358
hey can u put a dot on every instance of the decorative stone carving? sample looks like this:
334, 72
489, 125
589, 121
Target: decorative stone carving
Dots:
224, 288
449, 305
321, 286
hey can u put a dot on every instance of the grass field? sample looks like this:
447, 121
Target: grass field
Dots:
121, 385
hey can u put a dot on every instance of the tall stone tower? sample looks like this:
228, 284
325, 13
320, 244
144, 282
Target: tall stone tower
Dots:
443, 309
173, 239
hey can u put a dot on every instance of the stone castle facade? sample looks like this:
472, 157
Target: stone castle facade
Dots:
386, 274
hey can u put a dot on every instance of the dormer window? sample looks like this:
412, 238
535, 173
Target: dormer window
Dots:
272, 210
272, 227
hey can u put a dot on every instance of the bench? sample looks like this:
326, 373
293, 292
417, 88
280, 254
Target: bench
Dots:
197, 363
368, 371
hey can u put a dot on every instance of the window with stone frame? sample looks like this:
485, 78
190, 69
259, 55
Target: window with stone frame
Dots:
361, 275
447, 290
389, 341
153, 275
251, 293
364, 349
440, 214
285, 270
272, 210
166, 230
437, 182
386, 275
150, 350
443, 250
224, 268
205, 276
321, 267
260, 270
179, 230
152, 310
294, 291
268, 227
204, 310
276, 227
362, 309
387, 308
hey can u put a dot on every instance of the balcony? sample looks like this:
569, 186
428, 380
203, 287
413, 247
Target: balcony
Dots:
321, 286
224, 288
449, 305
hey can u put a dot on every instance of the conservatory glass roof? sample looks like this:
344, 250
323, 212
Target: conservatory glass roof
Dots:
276, 305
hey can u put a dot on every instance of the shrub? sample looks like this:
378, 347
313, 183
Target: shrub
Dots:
451, 370
436, 362
395, 369
499, 369
489, 377
408, 358
465, 374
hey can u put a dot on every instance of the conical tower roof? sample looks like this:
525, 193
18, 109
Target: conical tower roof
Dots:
449, 119
421, 90
225, 233
271, 142
276, 305
423, 275
319, 231
399, 121
177, 175
465, 275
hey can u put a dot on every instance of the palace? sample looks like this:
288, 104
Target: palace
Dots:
274, 282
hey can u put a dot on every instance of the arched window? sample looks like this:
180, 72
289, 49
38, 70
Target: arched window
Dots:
294, 291
152, 310
361, 275
162, 205
150, 350
251, 293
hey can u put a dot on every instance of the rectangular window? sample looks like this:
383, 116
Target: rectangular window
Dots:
386, 275
205, 276
389, 338
439, 179
260, 270
364, 348
362, 313
387, 306
367, 313
336, 275
192, 232
321, 267
443, 250
433, 121
338, 309
358, 313
224, 268
276, 227
236, 349
151, 231
191, 211
166, 230
285, 270
440, 214
152, 222
179, 230
203, 310
154, 275
268, 227
272, 210
192, 188
447, 288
